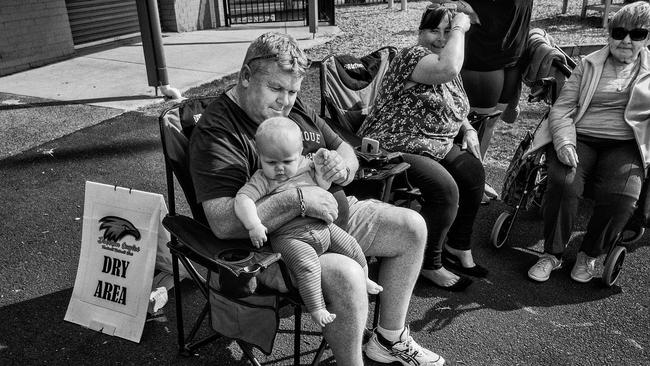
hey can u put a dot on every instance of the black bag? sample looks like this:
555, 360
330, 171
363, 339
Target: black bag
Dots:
252, 319
525, 173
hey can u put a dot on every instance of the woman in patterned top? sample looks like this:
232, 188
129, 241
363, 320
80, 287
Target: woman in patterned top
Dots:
419, 110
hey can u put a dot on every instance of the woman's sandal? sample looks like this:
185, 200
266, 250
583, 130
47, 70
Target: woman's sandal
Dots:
460, 285
452, 262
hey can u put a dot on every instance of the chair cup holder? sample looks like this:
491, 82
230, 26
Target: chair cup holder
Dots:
238, 280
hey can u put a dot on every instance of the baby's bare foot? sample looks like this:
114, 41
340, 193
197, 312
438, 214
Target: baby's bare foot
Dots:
322, 317
373, 287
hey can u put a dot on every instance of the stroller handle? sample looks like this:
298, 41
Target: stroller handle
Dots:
562, 67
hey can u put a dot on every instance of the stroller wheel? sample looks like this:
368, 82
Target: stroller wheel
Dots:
501, 229
613, 265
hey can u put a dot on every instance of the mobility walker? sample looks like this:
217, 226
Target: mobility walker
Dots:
525, 183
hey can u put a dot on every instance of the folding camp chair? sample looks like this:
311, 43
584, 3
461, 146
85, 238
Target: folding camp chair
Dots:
231, 264
349, 87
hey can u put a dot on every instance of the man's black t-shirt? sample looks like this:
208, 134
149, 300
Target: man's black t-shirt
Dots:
223, 155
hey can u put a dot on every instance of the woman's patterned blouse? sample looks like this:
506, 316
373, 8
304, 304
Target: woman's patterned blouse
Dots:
423, 119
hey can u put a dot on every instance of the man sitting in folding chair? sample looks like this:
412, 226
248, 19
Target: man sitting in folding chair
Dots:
223, 157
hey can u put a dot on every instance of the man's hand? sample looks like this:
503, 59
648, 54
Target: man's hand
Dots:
320, 204
333, 167
568, 155
258, 235
471, 143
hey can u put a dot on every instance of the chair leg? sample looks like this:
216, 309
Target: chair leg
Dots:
375, 316
319, 353
248, 352
179, 307
297, 312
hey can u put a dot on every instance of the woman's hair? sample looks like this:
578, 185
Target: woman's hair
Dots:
433, 15
272, 43
634, 15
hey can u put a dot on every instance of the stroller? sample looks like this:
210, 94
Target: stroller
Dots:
525, 183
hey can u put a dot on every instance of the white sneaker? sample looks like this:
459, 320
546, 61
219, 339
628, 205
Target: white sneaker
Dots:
583, 269
407, 351
541, 270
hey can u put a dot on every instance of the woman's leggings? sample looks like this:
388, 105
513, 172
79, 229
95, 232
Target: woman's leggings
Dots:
614, 172
452, 190
487, 89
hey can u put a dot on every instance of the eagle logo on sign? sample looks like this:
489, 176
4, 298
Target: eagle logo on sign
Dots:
117, 228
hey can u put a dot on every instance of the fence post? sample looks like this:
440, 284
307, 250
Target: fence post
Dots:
312, 16
390, 4
404, 5
152, 45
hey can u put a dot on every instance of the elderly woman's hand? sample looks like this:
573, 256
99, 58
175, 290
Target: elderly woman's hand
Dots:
461, 22
568, 155
471, 142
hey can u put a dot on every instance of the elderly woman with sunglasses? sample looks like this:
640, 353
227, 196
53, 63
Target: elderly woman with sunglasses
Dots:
600, 133
420, 108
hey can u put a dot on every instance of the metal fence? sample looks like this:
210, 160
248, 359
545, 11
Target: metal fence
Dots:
358, 2
266, 11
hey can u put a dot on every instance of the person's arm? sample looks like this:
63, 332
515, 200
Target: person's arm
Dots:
341, 165
470, 139
319, 160
562, 118
274, 211
246, 212
436, 69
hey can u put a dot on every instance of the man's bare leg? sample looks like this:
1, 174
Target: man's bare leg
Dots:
344, 288
400, 243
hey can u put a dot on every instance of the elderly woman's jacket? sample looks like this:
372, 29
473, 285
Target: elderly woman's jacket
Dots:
570, 106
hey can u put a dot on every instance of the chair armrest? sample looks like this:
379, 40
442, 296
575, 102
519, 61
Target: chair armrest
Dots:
386, 171
197, 242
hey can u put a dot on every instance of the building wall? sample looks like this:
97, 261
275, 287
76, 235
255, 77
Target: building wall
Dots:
33, 33
190, 15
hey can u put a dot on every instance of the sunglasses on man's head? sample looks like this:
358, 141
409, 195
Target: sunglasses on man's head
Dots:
450, 6
285, 61
636, 34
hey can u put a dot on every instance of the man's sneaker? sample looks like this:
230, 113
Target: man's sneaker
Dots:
406, 351
541, 270
583, 269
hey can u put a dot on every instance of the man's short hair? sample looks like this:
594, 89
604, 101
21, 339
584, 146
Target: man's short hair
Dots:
272, 43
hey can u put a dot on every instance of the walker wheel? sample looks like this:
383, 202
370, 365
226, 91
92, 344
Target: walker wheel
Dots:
613, 265
501, 229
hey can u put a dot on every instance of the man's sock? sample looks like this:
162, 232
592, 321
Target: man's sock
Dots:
390, 335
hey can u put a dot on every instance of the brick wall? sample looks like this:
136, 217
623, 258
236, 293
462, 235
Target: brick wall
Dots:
33, 33
188, 15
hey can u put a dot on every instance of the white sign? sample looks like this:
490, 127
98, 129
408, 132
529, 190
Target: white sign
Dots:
120, 237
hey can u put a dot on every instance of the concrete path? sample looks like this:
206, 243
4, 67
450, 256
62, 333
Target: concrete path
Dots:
45, 103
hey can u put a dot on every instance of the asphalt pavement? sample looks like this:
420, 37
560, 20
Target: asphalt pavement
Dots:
55, 145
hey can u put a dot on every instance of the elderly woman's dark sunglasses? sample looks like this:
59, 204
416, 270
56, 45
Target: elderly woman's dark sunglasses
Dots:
636, 34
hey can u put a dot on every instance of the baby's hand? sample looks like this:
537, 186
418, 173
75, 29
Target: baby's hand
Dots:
258, 235
321, 156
